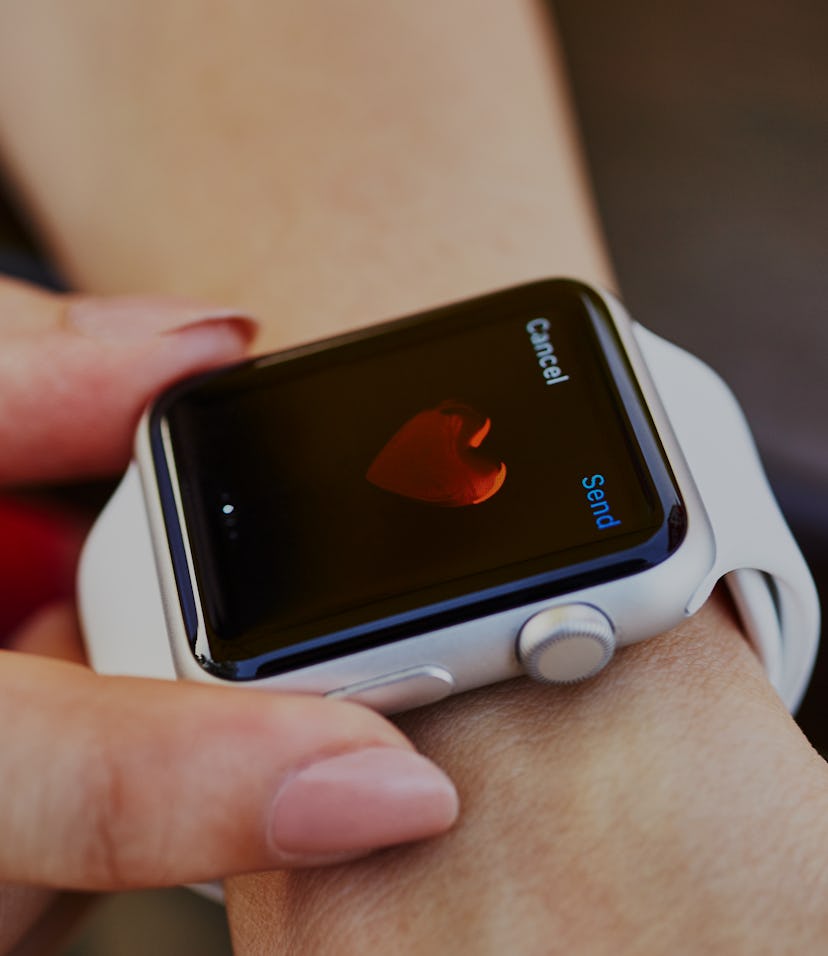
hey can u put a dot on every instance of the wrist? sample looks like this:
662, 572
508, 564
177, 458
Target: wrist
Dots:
629, 788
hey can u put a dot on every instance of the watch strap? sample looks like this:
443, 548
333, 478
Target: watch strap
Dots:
119, 597
755, 551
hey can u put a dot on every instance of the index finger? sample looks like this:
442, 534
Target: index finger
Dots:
76, 372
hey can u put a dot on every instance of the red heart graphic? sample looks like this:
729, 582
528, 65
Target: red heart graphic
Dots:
435, 457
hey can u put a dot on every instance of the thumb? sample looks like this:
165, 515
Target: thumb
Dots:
111, 783
76, 372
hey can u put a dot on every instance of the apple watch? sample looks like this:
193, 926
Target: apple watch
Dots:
519, 483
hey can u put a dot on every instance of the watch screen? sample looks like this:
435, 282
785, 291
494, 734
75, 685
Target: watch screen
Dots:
422, 473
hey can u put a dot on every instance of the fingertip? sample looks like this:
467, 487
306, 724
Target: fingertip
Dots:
359, 801
82, 385
131, 318
210, 781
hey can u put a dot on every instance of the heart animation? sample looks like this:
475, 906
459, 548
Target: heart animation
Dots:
436, 458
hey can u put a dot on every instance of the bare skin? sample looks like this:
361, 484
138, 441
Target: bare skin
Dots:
325, 168
670, 806
372, 160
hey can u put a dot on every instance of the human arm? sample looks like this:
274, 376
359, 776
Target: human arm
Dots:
415, 172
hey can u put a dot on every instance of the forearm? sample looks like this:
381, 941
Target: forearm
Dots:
321, 166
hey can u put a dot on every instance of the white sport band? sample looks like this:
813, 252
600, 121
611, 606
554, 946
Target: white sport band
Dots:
755, 551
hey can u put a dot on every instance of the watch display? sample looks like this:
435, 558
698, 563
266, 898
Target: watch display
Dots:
414, 475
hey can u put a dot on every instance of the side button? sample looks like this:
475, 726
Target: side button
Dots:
402, 690
566, 644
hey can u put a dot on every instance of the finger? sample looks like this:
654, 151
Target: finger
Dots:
119, 782
52, 632
21, 907
35, 921
76, 372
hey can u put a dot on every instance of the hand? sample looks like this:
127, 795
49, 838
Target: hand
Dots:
109, 783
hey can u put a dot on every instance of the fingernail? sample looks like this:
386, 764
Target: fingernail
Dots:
129, 318
361, 801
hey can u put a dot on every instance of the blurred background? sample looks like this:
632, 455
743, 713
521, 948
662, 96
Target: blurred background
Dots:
706, 130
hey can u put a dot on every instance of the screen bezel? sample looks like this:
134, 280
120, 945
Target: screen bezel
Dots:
518, 592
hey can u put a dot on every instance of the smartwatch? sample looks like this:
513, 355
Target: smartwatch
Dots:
515, 484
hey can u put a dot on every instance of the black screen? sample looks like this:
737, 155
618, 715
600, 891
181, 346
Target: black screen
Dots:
434, 469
